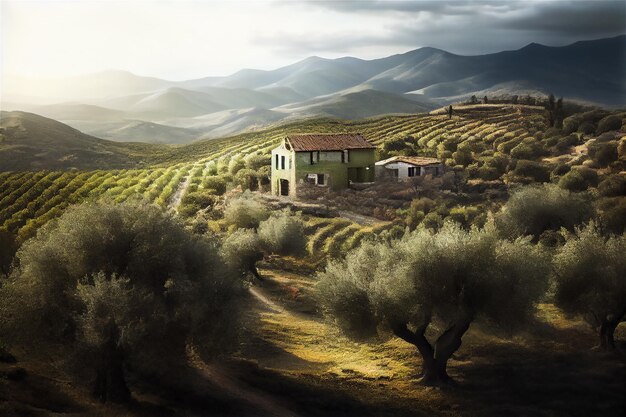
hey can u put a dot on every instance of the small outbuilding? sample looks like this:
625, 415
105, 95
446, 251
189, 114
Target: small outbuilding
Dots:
406, 167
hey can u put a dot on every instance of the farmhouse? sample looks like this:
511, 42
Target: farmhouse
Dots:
325, 160
405, 167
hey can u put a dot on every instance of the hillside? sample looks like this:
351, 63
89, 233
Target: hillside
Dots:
30, 141
589, 72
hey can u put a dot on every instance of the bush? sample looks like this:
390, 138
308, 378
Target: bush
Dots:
612, 122
531, 171
216, 183
247, 179
612, 215
119, 287
283, 234
532, 210
603, 153
579, 179
245, 212
586, 128
241, 250
612, 186
529, 148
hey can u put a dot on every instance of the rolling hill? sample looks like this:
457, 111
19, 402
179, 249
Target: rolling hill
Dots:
591, 72
29, 141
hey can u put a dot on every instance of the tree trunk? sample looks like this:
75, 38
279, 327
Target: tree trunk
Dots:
255, 272
110, 384
607, 331
448, 343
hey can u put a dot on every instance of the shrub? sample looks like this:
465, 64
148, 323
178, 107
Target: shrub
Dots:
531, 171
242, 249
579, 179
603, 153
247, 179
612, 186
283, 233
612, 215
612, 122
216, 183
532, 210
245, 212
587, 128
529, 148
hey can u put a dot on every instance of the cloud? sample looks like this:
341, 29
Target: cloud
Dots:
465, 27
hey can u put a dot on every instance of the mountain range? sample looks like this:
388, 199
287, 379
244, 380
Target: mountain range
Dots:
121, 106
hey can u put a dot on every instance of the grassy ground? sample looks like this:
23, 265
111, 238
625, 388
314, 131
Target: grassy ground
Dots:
293, 363
549, 372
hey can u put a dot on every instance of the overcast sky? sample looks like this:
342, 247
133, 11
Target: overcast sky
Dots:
189, 39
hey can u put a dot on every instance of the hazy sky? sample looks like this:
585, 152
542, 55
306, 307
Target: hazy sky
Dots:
190, 39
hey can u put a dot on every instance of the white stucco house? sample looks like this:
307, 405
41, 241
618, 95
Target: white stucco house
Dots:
406, 167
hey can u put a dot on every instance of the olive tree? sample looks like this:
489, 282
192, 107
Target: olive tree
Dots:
245, 212
281, 234
590, 272
120, 287
535, 209
443, 280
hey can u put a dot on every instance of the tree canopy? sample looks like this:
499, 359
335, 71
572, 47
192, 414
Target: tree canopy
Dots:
590, 272
446, 279
119, 286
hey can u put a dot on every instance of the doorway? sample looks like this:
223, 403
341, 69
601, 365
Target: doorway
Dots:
284, 187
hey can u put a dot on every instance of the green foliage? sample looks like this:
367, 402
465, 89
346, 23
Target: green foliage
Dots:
579, 179
453, 276
611, 122
283, 233
245, 212
241, 250
8, 247
235, 165
612, 186
193, 202
603, 153
529, 148
532, 210
247, 179
590, 272
530, 171
123, 282
612, 215
216, 183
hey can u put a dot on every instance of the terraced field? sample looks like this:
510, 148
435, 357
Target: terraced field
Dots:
30, 199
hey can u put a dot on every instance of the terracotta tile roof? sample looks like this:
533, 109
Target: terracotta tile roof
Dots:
328, 142
413, 160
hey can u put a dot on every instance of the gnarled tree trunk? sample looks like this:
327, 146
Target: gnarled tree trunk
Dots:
607, 330
435, 360
110, 384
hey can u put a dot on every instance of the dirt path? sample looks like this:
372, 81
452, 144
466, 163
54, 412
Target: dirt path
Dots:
227, 378
359, 218
179, 194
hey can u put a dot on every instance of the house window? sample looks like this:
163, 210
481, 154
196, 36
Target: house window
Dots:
282, 162
413, 171
317, 179
276, 161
